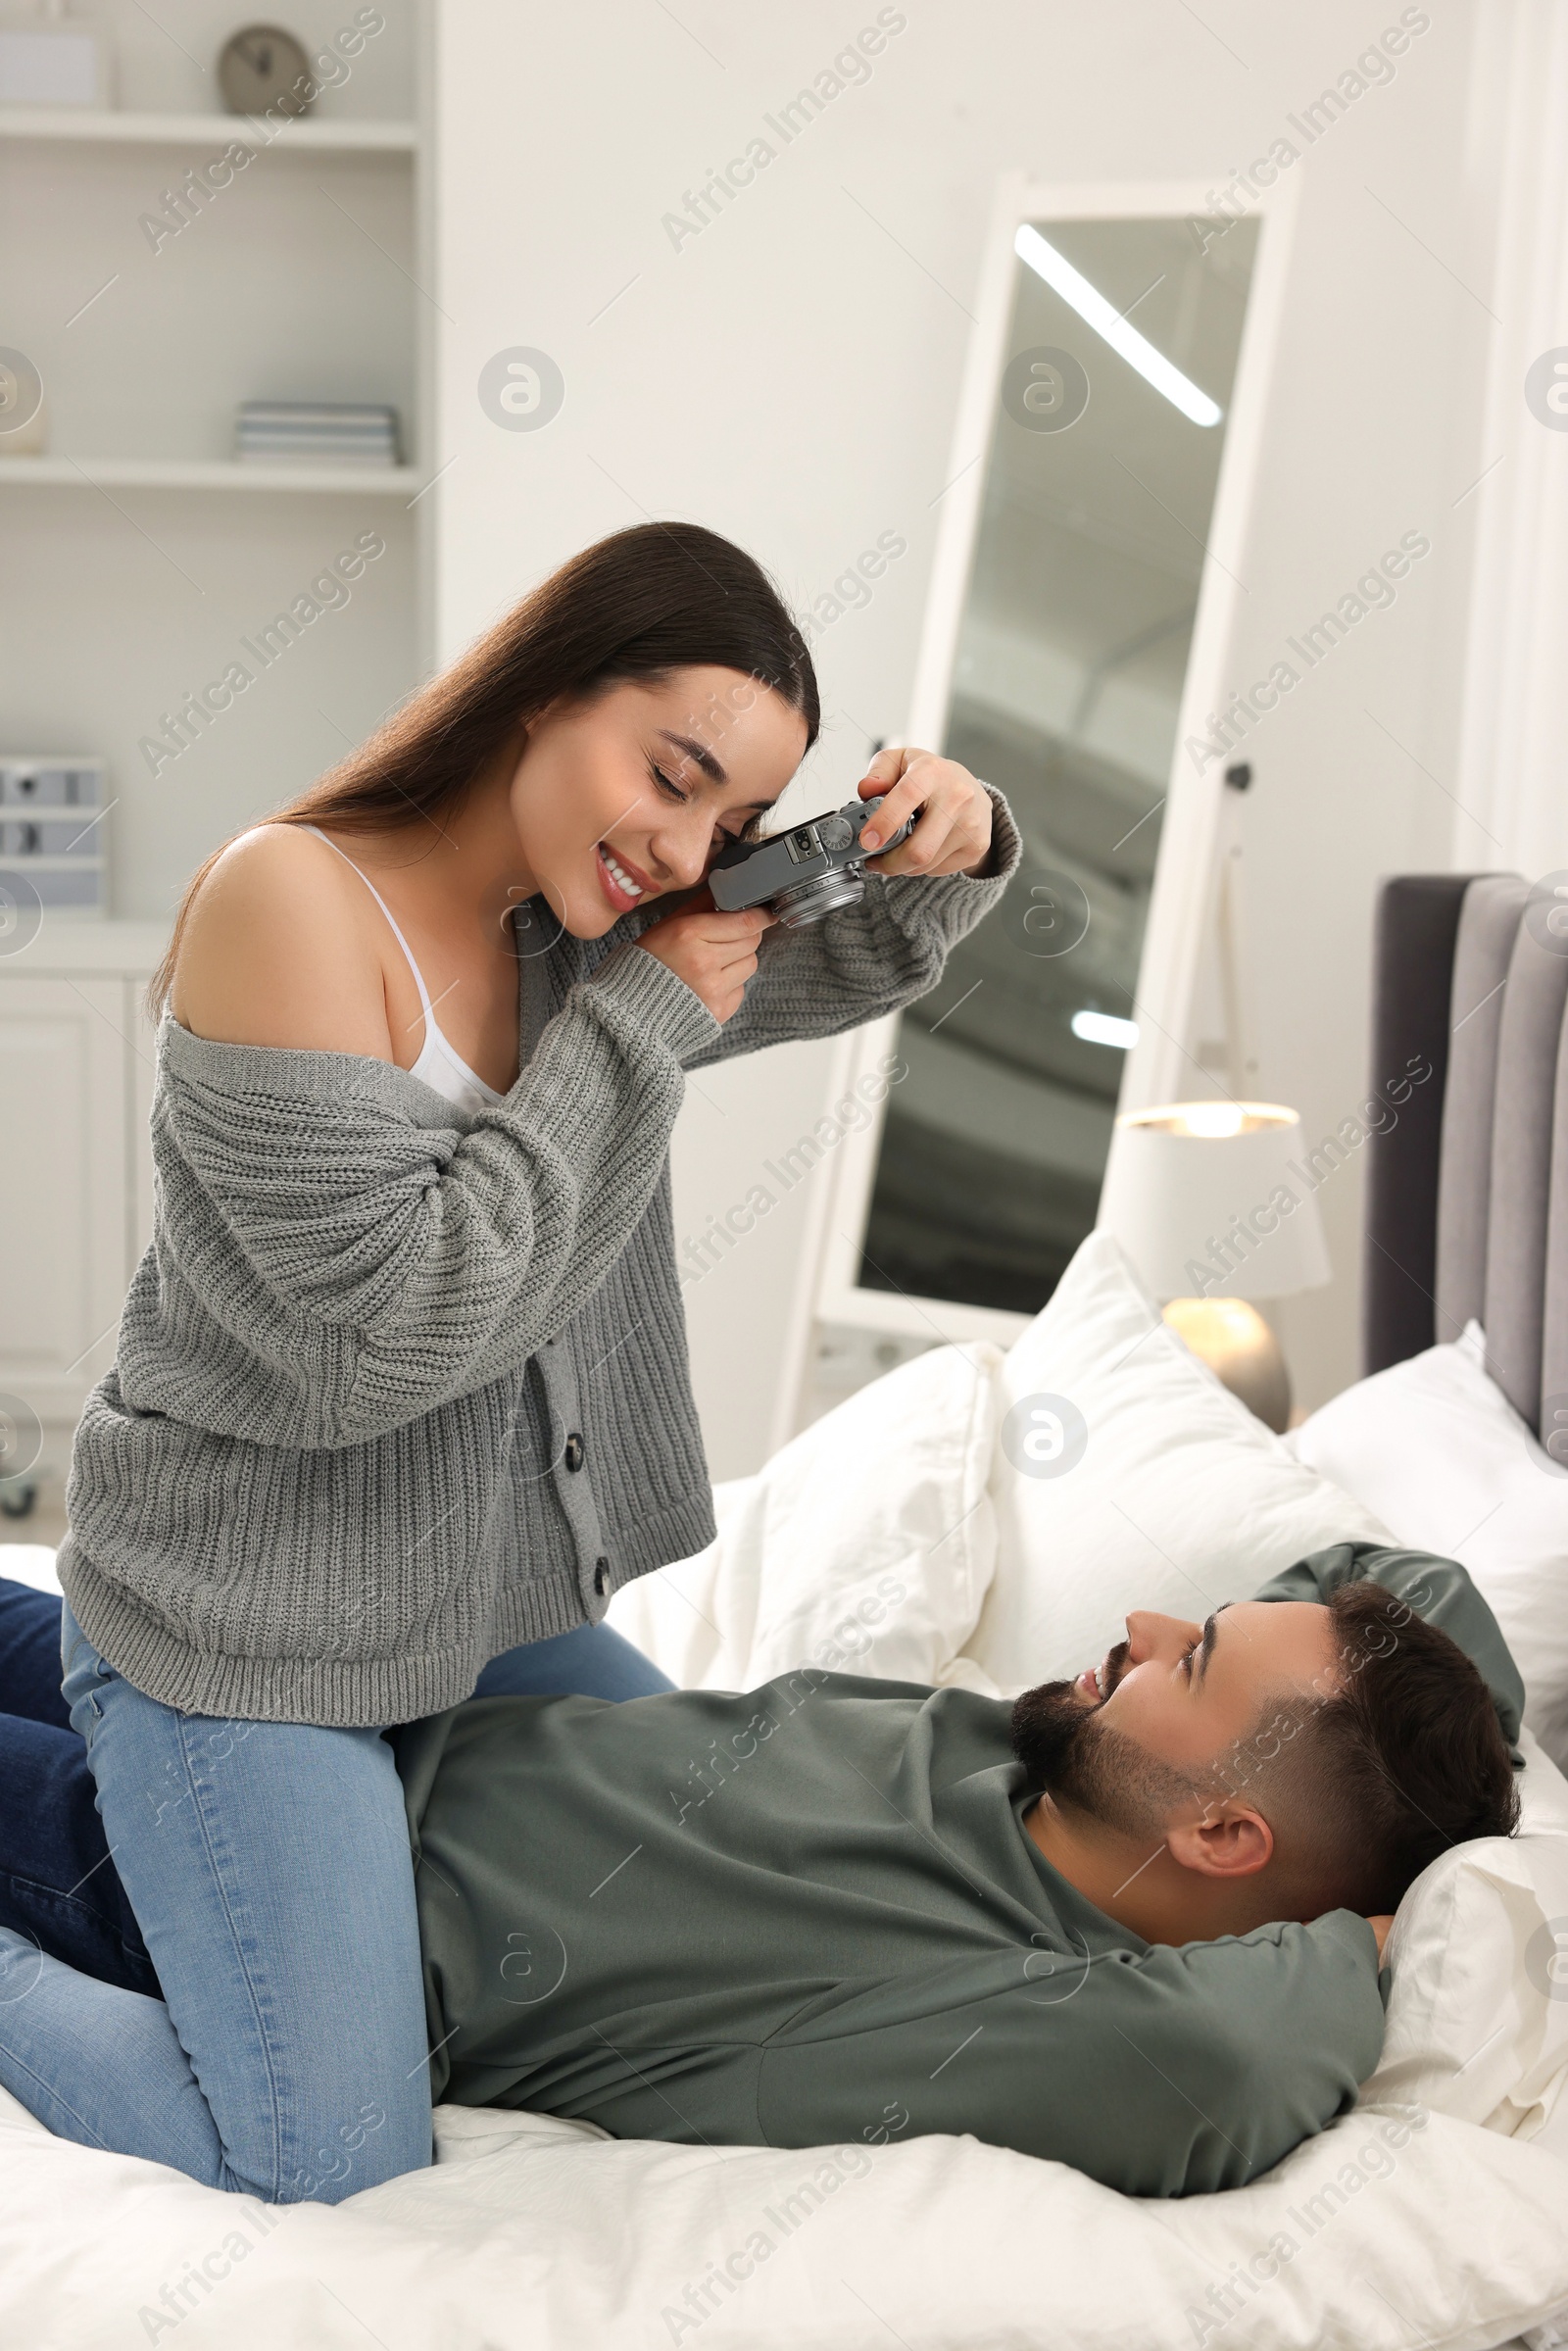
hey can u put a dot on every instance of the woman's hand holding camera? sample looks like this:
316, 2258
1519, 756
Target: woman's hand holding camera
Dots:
953, 834
715, 954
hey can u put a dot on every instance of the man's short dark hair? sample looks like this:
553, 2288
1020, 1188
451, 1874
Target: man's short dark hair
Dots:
1404, 1759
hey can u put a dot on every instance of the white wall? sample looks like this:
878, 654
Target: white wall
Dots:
789, 376
1512, 808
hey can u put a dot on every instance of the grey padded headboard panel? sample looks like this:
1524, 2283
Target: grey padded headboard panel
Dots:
1413, 939
1467, 1201
1519, 1272
1488, 925
1553, 1428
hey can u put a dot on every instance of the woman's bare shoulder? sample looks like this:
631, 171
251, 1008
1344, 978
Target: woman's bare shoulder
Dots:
278, 950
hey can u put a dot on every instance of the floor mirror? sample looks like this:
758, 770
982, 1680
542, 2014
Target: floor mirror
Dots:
1081, 607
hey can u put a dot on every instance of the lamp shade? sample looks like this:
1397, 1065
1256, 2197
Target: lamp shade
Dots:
1211, 1199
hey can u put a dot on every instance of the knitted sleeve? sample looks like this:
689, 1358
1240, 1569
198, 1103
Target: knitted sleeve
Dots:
869, 959
384, 1266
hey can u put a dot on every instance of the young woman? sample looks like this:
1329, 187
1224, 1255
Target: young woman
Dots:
401, 1392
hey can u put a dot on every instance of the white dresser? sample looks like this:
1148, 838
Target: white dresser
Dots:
77, 1059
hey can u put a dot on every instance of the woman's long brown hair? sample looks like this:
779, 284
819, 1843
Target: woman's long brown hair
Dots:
660, 597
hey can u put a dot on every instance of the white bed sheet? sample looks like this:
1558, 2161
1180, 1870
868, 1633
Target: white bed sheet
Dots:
533, 2235
1396, 2227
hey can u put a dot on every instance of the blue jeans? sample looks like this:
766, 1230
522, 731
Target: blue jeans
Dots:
268, 1867
57, 1883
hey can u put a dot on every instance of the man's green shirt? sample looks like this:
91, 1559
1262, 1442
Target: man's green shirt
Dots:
812, 1914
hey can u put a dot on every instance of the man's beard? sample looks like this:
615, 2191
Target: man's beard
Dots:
1067, 1750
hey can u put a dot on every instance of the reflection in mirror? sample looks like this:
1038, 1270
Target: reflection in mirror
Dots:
1072, 652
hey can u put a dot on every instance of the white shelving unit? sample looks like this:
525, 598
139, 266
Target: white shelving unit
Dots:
147, 129
153, 302
143, 557
206, 473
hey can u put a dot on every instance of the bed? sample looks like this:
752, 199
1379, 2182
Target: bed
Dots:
892, 1538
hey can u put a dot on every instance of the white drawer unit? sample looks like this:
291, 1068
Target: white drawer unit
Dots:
77, 1058
52, 811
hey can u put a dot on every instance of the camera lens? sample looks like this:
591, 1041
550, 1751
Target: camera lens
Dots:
810, 900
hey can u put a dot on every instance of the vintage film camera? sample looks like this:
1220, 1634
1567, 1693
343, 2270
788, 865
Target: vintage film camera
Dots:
801, 874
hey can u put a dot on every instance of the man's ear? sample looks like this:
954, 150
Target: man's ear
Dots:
1230, 1840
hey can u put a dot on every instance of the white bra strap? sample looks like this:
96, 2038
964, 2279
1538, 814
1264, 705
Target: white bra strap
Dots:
419, 976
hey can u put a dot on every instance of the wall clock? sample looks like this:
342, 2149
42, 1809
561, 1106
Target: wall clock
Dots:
261, 66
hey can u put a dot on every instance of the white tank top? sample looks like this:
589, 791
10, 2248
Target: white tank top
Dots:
446, 1072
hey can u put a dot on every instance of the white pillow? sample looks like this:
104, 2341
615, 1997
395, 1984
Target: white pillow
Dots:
1127, 1476
1478, 2013
29, 1563
1434, 1447
876, 1530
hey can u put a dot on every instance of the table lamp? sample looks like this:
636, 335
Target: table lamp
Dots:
1212, 1204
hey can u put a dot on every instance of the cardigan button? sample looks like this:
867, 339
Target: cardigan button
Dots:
575, 1450
601, 1576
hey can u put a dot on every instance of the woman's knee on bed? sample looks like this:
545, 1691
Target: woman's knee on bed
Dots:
270, 1869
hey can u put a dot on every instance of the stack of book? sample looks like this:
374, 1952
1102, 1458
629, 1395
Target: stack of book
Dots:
316, 432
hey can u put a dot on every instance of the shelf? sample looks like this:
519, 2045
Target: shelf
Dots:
73, 940
103, 126
215, 473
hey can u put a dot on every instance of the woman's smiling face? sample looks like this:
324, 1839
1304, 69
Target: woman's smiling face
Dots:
628, 796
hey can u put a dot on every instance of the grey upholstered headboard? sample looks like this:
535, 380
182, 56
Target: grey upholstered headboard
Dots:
1467, 1195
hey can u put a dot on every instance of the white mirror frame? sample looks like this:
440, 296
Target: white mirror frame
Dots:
1182, 899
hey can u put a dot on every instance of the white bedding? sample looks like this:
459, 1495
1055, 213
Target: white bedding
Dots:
1436, 2214
530, 2235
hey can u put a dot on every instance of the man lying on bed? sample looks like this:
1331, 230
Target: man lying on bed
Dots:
836, 1909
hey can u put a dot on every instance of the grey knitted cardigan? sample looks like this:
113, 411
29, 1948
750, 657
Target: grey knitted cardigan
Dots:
397, 1387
